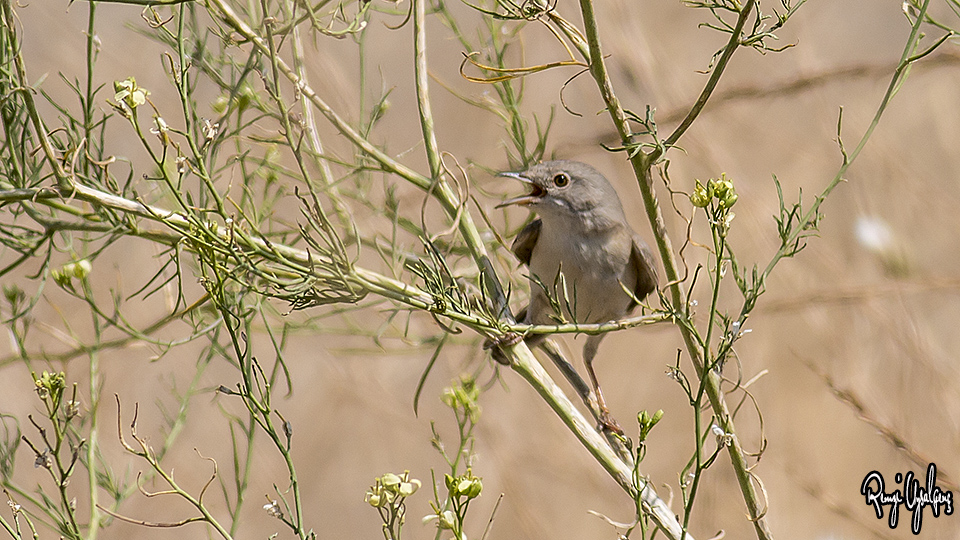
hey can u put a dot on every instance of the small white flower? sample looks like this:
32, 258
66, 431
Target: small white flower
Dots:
210, 129
273, 509
735, 331
448, 520
73, 409
161, 129
723, 438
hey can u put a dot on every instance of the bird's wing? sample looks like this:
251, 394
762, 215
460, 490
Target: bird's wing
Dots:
525, 241
642, 260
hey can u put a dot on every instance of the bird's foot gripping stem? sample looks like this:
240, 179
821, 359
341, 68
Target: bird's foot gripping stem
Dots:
505, 340
607, 422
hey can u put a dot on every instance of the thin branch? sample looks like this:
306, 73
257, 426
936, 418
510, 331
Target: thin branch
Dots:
642, 164
442, 191
152, 524
732, 45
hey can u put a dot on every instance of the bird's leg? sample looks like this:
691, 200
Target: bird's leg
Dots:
607, 421
569, 372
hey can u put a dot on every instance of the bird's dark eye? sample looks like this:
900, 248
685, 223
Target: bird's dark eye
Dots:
561, 180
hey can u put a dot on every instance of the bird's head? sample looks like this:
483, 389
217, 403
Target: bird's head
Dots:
568, 190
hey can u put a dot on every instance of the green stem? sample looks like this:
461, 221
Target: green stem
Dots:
899, 75
441, 190
88, 107
642, 164
181, 78
718, 69
93, 438
718, 246
423, 90
93, 442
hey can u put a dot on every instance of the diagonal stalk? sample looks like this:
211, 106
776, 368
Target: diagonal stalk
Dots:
642, 164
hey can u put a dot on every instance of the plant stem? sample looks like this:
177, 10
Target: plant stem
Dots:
423, 92
642, 164
523, 362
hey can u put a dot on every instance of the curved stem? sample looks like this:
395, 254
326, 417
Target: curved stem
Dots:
899, 75
731, 47
642, 164
423, 93
521, 359
447, 198
523, 362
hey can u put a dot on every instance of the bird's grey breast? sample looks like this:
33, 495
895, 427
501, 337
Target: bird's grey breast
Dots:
594, 263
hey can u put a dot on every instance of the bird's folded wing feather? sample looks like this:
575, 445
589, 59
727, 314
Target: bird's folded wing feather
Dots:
642, 260
525, 241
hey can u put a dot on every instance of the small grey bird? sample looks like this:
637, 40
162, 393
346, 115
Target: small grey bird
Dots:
582, 232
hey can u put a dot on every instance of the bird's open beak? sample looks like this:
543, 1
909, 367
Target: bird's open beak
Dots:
536, 192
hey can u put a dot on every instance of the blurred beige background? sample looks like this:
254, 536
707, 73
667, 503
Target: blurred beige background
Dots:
888, 337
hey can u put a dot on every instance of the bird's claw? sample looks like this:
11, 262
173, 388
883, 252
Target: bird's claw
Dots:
504, 340
608, 423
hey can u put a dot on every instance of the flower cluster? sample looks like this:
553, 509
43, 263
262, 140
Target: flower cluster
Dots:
390, 489
75, 270
129, 96
647, 421
461, 490
465, 485
387, 495
721, 189
50, 385
716, 198
463, 396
